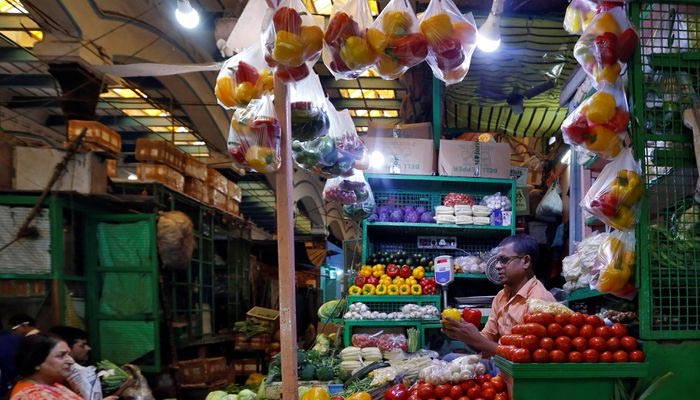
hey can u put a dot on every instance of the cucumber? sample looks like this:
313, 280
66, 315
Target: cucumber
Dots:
361, 373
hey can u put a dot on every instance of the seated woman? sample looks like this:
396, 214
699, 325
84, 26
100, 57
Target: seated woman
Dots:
43, 362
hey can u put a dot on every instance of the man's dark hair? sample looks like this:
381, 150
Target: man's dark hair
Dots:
69, 334
32, 351
19, 319
524, 245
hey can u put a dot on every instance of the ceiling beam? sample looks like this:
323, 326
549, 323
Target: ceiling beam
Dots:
16, 54
109, 120
28, 80
17, 22
376, 104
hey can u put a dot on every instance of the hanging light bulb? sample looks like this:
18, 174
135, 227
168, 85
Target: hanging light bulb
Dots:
489, 36
187, 16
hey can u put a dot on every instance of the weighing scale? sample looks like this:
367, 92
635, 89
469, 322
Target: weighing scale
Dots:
444, 274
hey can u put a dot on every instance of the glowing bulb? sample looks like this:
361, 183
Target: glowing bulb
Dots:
488, 38
376, 160
132, 177
187, 16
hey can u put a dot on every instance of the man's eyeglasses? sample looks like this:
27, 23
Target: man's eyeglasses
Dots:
505, 260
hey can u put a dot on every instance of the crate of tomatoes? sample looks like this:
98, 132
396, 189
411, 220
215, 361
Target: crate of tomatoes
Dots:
590, 356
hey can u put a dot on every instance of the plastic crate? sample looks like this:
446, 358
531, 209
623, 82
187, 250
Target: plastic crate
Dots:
390, 304
98, 136
201, 372
264, 314
195, 168
160, 151
664, 77
161, 173
257, 342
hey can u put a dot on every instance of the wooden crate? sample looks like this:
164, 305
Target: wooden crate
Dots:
202, 372
161, 173
160, 151
97, 137
258, 342
246, 366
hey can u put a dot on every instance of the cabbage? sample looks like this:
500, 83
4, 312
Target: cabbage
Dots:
406, 209
384, 216
396, 216
246, 394
382, 209
373, 217
427, 217
411, 216
216, 395
420, 210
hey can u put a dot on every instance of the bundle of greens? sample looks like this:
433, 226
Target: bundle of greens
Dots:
111, 376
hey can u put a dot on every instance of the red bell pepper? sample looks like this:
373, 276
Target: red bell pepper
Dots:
292, 74
392, 270
607, 203
430, 290
472, 315
268, 128
606, 48
450, 54
408, 49
397, 392
626, 44
287, 19
578, 130
608, 5
340, 27
247, 73
372, 280
405, 271
619, 121
360, 280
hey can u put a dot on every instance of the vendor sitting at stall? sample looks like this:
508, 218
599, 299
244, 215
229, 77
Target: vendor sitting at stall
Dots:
514, 263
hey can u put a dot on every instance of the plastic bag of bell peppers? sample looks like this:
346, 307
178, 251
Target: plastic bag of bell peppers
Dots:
242, 78
599, 124
615, 195
614, 264
254, 136
607, 44
309, 112
451, 39
346, 50
397, 40
579, 13
292, 40
335, 154
347, 190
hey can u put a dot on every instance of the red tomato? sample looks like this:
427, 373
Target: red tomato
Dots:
530, 342
586, 331
594, 320
511, 340
637, 356
561, 319
579, 343
483, 378
606, 356
488, 394
570, 331
629, 343
591, 356
466, 385
521, 356
543, 319
526, 318
597, 343
554, 330
501, 396
463, 398
620, 356
447, 398
563, 343
613, 344
474, 392
426, 391
535, 329
540, 356
547, 343
487, 385
618, 330
603, 331
498, 383
456, 392
575, 357
413, 396
557, 356
577, 319
442, 391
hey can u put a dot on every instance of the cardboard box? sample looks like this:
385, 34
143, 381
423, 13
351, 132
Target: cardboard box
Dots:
402, 156
423, 130
86, 173
474, 159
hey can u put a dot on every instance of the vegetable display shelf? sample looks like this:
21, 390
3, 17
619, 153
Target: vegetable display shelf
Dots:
569, 381
379, 324
582, 294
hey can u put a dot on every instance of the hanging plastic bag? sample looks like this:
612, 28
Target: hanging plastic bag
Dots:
254, 136
396, 38
309, 113
615, 263
362, 209
599, 124
242, 78
614, 196
451, 40
292, 39
606, 45
335, 154
579, 14
347, 190
551, 206
346, 51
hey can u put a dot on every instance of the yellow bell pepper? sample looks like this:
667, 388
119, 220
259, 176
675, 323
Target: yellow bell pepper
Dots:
381, 290
388, 67
607, 74
266, 82
356, 53
451, 313
627, 187
262, 159
600, 108
366, 271
410, 281
397, 23
245, 92
393, 290
603, 141
289, 49
311, 40
605, 23
624, 219
224, 90
368, 288
360, 396
418, 272
377, 273
572, 20
398, 281
437, 28
355, 290
617, 273
385, 280
404, 290
315, 393
377, 40
416, 290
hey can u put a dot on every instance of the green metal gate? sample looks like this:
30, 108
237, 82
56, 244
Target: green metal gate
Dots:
665, 78
123, 300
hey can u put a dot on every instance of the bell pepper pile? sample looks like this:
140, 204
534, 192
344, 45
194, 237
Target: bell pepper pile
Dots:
617, 265
615, 206
597, 124
579, 14
241, 84
346, 41
254, 138
290, 44
396, 40
451, 41
607, 43
392, 280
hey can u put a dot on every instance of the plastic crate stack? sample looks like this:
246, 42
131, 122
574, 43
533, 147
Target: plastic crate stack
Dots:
160, 161
222, 193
